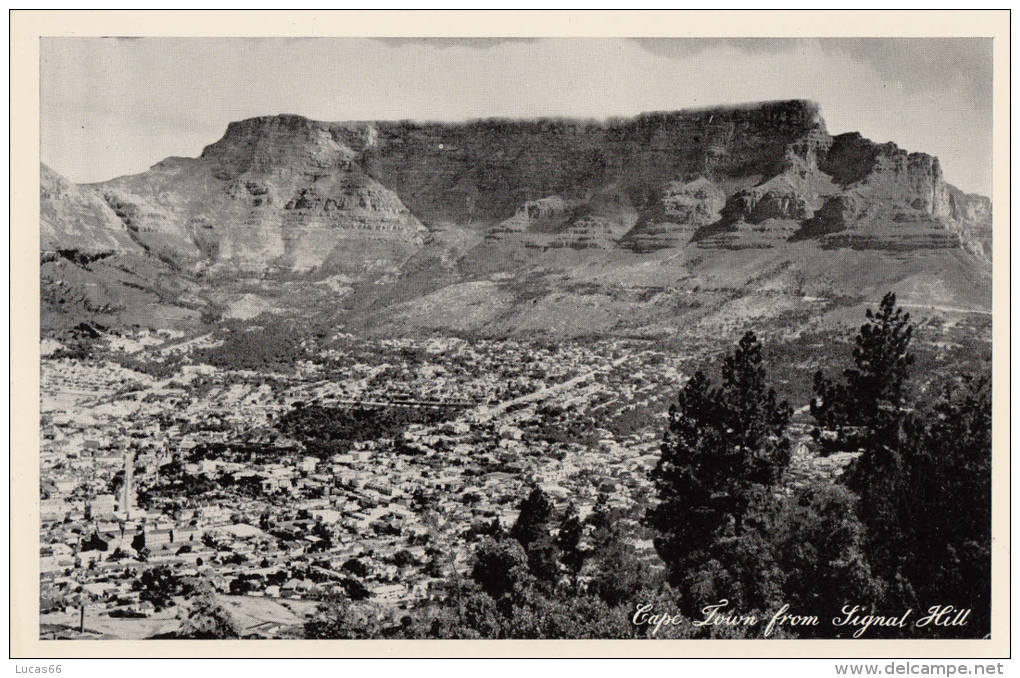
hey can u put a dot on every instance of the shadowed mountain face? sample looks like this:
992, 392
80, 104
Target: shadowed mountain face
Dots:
502, 226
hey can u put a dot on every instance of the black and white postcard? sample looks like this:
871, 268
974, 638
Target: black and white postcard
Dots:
493, 328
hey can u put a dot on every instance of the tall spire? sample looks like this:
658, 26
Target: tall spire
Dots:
129, 468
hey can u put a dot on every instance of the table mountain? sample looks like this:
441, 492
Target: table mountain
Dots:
520, 225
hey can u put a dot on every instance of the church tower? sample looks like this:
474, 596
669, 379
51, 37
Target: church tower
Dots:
129, 470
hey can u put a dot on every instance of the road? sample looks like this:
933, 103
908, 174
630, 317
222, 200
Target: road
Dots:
945, 309
485, 413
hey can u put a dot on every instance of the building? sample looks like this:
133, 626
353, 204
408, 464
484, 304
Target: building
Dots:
127, 499
103, 504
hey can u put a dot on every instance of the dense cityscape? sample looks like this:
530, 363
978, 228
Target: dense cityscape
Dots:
208, 471
355, 469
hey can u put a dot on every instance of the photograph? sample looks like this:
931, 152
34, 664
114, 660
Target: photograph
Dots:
516, 338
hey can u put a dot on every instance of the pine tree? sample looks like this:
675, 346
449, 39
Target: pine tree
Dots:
869, 401
568, 540
950, 479
533, 519
532, 530
722, 447
868, 412
501, 569
923, 473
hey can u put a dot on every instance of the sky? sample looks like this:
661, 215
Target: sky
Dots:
113, 106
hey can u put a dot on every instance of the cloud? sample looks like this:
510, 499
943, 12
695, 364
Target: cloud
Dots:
684, 48
443, 43
921, 64
914, 64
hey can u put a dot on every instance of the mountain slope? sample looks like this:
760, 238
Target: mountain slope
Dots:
277, 194
74, 217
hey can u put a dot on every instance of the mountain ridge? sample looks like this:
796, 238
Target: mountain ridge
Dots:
399, 209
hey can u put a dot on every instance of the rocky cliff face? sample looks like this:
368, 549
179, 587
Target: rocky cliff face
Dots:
292, 195
972, 216
889, 198
719, 169
484, 171
279, 194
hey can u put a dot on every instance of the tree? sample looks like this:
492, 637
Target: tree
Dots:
870, 399
603, 522
355, 590
481, 617
533, 519
867, 412
740, 565
500, 568
241, 586
116, 483
159, 585
568, 540
336, 618
950, 479
544, 559
922, 472
403, 558
723, 446
616, 573
435, 561
493, 529
532, 531
611, 566
821, 553
206, 618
